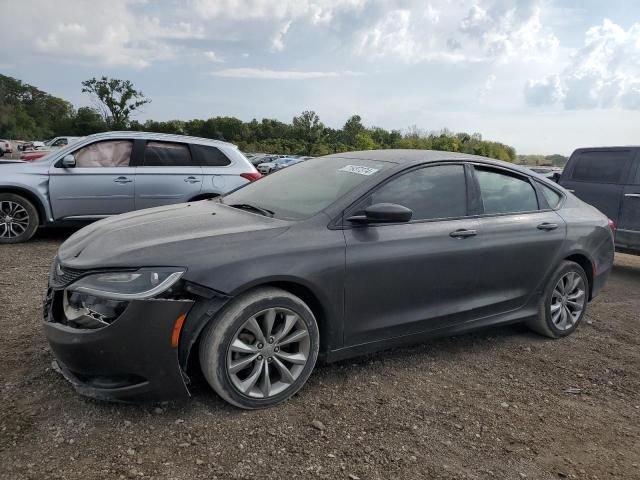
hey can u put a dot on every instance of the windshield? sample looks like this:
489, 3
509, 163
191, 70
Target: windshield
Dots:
305, 188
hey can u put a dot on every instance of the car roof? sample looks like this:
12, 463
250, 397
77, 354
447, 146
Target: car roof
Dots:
408, 157
166, 137
603, 149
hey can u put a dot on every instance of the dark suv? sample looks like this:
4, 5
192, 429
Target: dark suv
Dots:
609, 179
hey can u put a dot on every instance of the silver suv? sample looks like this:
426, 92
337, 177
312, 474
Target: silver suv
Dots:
115, 172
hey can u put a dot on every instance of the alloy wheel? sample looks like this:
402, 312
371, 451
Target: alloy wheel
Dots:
14, 219
268, 353
567, 301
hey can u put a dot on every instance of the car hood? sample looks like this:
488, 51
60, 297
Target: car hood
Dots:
20, 166
181, 235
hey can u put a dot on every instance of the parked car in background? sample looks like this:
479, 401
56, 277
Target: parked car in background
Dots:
549, 172
277, 164
115, 172
5, 147
609, 179
333, 257
40, 149
31, 155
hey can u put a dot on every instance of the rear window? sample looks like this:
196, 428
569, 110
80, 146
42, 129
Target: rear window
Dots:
551, 196
210, 156
600, 166
166, 154
503, 193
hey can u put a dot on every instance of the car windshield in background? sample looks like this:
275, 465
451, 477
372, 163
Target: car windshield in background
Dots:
305, 188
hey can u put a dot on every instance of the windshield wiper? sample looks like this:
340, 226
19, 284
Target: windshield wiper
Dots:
247, 206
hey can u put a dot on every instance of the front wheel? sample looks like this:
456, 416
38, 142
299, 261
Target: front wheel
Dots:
564, 303
18, 218
260, 350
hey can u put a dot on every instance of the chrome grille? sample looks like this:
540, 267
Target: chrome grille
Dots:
63, 276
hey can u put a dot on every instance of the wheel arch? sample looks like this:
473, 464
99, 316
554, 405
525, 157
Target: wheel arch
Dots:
293, 286
32, 197
587, 265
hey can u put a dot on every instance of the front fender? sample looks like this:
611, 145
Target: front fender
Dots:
34, 187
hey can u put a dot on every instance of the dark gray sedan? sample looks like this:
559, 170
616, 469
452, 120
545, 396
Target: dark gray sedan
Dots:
330, 258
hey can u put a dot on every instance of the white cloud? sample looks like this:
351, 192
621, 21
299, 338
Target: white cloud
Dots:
603, 73
102, 31
317, 11
277, 43
213, 56
485, 30
488, 86
267, 74
546, 91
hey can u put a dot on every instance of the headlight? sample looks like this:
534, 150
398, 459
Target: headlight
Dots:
87, 311
138, 285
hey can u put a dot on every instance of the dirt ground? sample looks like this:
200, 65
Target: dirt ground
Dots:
501, 403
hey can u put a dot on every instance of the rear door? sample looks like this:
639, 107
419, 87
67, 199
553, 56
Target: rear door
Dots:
101, 184
628, 231
166, 174
597, 177
218, 177
520, 237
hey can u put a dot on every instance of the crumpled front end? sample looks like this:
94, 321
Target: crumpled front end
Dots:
120, 351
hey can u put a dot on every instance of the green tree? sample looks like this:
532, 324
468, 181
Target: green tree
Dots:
116, 99
308, 128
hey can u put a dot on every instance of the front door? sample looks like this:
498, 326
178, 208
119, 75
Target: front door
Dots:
167, 174
418, 276
628, 231
101, 184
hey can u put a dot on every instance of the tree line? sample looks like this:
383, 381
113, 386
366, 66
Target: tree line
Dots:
29, 113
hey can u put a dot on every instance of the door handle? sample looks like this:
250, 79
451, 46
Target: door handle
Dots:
123, 180
547, 226
463, 233
191, 180
632, 195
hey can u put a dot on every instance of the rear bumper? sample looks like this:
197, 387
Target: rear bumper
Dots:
130, 360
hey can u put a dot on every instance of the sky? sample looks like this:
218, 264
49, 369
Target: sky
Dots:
545, 76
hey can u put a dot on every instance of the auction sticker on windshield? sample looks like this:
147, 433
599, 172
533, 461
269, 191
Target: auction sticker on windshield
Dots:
359, 170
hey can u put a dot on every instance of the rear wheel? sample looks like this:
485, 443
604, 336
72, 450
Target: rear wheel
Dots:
564, 303
260, 350
18, 218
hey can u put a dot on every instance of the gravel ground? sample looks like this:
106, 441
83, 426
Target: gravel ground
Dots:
501, 403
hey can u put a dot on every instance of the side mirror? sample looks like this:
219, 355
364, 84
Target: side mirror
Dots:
69, 161
383, 213
556, 177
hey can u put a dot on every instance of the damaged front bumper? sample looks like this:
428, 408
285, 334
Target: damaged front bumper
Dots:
131, 359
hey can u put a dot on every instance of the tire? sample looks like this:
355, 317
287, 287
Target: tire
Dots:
15, 207
548, 323
220, 361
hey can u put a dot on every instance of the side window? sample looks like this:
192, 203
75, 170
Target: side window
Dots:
600, 166
210, 156
431, 192
110, 153
60, 142
551, 196
503, 193
165, 154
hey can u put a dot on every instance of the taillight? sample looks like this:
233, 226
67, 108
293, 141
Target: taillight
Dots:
252, 177
612, 225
